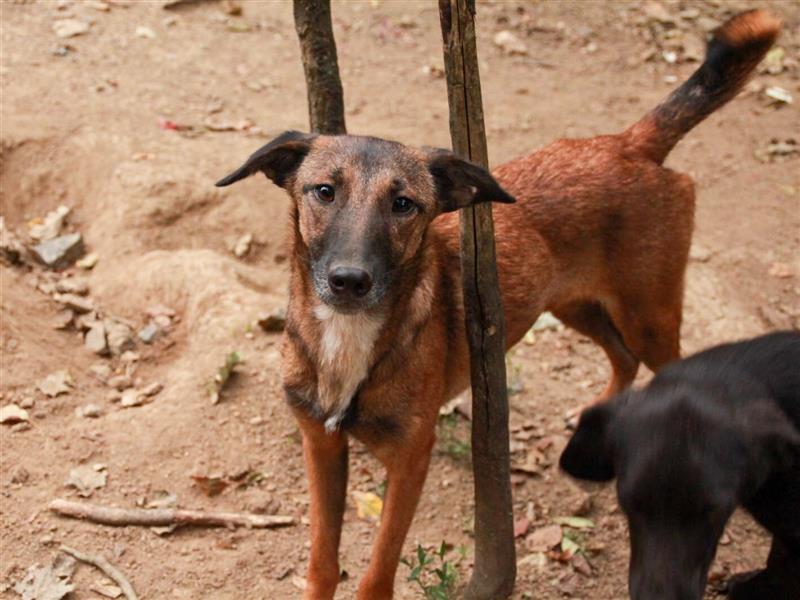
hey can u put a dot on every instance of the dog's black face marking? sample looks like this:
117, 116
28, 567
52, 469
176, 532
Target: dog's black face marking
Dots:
364, 205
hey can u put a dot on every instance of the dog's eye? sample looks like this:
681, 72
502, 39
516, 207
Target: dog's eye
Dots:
324, 193
402, 206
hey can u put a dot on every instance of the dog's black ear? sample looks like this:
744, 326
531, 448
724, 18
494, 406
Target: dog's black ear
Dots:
589, 454
460, 183
767, 425
277, 160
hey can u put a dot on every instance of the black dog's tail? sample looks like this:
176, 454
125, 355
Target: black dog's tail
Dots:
734, 51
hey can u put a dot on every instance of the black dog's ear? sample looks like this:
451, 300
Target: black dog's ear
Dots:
589, 454
460, 183
277, 160
765, 423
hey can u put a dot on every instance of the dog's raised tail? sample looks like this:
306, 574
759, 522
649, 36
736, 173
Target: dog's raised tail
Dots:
732, 54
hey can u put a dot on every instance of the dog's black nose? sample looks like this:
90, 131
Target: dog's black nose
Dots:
349, 281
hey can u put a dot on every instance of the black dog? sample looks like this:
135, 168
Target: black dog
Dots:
715, 431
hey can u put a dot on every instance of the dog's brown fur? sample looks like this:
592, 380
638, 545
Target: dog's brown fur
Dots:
600, 237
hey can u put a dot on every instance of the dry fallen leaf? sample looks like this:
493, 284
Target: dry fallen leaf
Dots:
48, 583
86, 479
368, 505
545, 538
210, 485
521, 527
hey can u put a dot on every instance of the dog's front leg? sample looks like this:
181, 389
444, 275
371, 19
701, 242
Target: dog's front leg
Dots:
406, 464
326, 467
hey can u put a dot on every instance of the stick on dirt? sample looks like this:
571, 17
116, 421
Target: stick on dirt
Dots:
164, 517
312, 20
495, 561
106, 567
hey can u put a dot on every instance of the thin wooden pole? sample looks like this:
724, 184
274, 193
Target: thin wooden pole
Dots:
312, 20
495, 559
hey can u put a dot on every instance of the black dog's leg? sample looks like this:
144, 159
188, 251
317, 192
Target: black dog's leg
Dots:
779, 581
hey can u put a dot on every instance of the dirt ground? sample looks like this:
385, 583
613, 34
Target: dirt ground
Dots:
90, 122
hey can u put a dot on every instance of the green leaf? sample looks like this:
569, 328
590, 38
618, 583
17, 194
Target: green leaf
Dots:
574, 522
569, 547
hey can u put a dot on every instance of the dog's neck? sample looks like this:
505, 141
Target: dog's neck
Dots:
341, 349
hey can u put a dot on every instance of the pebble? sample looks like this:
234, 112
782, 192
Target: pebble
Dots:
145, 32
242, 246
129, 356
20, 475
50, 226
67, 28
27, 402
102, 371
148, 333
656, 12
88, 261
97, 5
59, 252
119, 336
131, 397
162, 321
11, 414
63, 319
120, 382
56, 383
510, 43
11, 249
95, 340
152, 389
90, 411
73, 285
79, 304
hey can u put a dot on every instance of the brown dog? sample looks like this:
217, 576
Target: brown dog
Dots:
375, 342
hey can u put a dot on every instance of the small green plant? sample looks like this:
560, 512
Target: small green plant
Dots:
380, 489
436, 582
450, 442
223, 375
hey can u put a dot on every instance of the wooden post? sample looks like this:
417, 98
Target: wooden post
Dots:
312, 20
495, 560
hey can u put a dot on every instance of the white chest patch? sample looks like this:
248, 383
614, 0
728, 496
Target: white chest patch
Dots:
345, 349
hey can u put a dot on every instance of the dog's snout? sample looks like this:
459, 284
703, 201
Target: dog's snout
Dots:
349, 281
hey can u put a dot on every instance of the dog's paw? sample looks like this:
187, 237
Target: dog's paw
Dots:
762, 585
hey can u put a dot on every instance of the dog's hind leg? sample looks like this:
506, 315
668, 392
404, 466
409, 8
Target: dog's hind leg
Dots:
406, 464
592, 320
779, 581
653, 334
326, 466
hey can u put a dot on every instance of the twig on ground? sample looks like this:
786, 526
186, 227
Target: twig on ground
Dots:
106, 567
163, 517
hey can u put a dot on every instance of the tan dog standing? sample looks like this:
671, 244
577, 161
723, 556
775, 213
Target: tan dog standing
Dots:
375, 343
